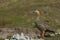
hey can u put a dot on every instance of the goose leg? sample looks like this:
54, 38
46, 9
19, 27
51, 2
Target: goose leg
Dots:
42, 34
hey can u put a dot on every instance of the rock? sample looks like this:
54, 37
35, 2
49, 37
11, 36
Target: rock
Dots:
52, 34
6, 39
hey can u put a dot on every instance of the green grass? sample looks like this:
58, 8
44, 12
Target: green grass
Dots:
19, 13
13, 11
1, 39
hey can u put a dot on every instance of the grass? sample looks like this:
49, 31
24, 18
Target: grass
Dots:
19, 13
15, 10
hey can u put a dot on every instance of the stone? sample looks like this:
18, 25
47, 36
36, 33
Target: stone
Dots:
6, 39
20, 37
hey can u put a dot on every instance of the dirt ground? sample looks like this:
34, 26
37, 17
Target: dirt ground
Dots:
4, 32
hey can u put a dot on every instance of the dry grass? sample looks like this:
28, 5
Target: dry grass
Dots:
19, 13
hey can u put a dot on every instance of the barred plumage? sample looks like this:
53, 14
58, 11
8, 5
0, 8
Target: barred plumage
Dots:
43, 27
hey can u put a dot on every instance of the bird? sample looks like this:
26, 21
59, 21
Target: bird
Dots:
43, 27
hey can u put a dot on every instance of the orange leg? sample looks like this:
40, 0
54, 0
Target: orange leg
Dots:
43, 33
